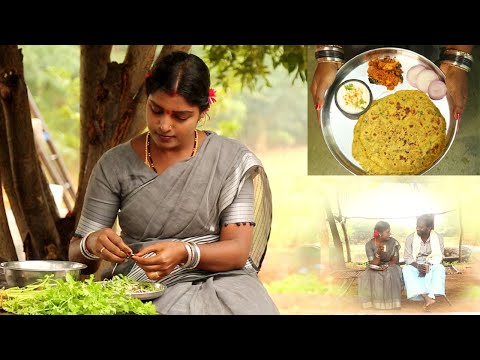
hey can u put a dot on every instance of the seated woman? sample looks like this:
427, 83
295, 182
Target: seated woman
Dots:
380, 285
194, 207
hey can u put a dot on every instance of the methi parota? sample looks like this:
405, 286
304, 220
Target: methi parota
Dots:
401, 134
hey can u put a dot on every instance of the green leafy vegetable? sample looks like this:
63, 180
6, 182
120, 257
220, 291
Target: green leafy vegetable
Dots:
71, 297
121, 283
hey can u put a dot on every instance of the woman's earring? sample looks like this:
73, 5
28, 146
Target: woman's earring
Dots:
203, 119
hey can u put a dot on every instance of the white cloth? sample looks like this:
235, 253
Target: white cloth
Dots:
436, 256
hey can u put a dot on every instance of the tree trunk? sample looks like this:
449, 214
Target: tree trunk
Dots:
7, 247
93, 68
343, 224
117, 111
167, 49
324, 242
112, 111
460, 241
338, 260
106, 117
24, 181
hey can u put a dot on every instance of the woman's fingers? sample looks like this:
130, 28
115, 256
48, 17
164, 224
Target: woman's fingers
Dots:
322, 79
147, 249
457, 90
161, 257
154, 275
112, 247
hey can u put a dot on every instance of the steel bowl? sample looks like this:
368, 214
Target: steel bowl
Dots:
23, 273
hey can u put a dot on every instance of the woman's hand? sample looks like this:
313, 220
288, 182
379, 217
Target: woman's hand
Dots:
322, 79
168, 254
108, 245
380, 249
457, 89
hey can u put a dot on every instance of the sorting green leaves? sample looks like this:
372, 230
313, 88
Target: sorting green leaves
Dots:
70, 297
121, 282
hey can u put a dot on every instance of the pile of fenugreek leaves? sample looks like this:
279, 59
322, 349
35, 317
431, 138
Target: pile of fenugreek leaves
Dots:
50, 296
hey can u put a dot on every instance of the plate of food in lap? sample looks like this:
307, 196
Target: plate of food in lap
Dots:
387, 113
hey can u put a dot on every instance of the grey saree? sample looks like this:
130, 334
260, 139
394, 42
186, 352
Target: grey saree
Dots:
190, 200
381, 289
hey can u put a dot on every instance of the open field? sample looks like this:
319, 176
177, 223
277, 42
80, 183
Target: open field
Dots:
320, 293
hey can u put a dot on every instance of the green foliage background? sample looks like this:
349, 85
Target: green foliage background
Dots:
261, 100
261, 93
52, 75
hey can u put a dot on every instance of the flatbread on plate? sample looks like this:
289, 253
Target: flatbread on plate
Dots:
401, 134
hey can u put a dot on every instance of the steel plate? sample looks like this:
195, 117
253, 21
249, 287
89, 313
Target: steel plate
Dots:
338, 129
149, 295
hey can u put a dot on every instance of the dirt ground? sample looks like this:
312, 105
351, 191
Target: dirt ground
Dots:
348, 303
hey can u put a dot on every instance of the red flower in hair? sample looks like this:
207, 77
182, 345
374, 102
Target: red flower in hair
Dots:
211, 96
376, 234
147, 75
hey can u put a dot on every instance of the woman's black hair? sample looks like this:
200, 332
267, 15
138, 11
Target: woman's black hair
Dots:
381, 226
183, 74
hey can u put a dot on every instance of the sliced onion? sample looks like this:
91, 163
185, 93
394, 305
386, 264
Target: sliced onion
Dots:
413, 73
437, 90
424, 78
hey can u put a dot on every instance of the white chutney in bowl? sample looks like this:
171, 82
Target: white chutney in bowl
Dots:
353, 98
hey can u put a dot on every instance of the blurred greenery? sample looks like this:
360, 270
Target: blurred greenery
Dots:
303, 283
52, 75
298, 213
269, 116
472, 292
261, 93
253, 63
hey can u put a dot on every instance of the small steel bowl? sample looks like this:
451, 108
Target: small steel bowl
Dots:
354, 115
23, 273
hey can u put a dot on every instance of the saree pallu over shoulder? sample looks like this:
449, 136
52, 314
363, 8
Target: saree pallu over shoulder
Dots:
185, 202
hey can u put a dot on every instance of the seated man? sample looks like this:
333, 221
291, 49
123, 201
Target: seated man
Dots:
423, 273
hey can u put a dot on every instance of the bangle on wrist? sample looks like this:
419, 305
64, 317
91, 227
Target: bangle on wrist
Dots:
329, 47
193, 258
338, 64
330, 53
458, 52
189, 249
83, 248
457, 65
457, 58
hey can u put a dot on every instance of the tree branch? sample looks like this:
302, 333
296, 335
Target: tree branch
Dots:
138, 60
167, 49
